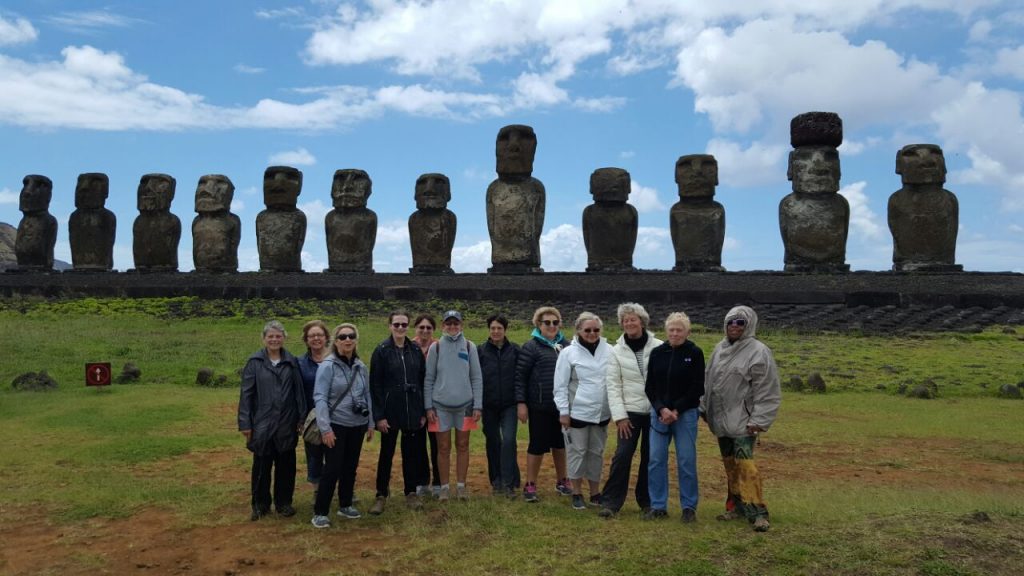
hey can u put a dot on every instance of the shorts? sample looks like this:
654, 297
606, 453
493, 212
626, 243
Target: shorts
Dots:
448, 418
545, 432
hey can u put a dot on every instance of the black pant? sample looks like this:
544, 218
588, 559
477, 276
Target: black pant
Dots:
434, 471
283, 466
500, 426
414, 455
340, 468
617, 487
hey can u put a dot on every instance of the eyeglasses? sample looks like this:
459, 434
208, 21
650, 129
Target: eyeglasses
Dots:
591, 330
736, 322
345, 336
551, 322
317, 336
399, 324
425, 327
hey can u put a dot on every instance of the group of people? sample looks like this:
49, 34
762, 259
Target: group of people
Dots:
567, 390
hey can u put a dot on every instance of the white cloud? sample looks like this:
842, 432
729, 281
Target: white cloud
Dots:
315, 211
311, 263
644, 199
1010, 62
279, 13
756, 165
250, 191
562, 249
298, 157
237, 205
627, 154
472, 258
993, 255
731, 244
393, 235
91, 20
1016, 228
654, 249
863, 221
246, 69
8, 196
16, 31
604, 104
855, 147
979, 31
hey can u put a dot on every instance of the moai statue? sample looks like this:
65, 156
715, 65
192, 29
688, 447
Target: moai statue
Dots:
281, 228
37, 231
697, 221
351, 227
432, 226
923, 216
815, 218
609, 224
156, 232
216, 232
91, 227
515, 204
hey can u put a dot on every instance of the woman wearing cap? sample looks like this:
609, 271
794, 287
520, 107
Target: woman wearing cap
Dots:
453, 394
741, 401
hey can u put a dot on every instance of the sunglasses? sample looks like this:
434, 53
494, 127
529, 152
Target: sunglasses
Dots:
426, 327
399, 324
345, 336
591, 330
551, 322
736, 322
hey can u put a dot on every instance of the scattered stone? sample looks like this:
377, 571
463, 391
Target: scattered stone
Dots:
932, 386
34, 382
204, 377
222, 380
880, 387
1009, 330
978, 517
921, 391
130, 373
795, 384
889, 369
815, 383
1009, 391
902, 388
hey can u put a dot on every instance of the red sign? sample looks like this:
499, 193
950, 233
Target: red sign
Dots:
97, 374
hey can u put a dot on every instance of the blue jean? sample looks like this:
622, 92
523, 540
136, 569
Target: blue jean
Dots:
499, 426
684, 431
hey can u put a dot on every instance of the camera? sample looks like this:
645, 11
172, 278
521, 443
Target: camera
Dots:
361, 408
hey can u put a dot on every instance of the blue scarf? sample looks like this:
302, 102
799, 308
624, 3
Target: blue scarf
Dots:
553, 343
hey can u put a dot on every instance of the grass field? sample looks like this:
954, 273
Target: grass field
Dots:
152, 477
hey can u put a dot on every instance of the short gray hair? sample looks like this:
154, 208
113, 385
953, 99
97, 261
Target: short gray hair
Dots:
635, 309
587, 317
274, 325
678, 318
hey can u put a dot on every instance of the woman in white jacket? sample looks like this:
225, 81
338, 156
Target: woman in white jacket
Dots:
581, 397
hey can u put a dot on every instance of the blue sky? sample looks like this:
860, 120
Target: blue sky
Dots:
404, 88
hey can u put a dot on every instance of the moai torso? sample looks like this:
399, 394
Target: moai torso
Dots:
156, 232
610, 224
91, 227
923, 216
37, 231
515, 204
351, 227
432, 226
216, 232
281, 228
697, 221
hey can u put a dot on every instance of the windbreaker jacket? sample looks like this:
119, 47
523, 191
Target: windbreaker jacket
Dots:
675, 377
498, 366
535, 375
742, 382
396, 384
581, 382
271, 402
344, 387
627, 378
453, 378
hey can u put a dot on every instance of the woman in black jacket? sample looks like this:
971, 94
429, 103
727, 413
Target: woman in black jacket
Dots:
498, 359
271, 409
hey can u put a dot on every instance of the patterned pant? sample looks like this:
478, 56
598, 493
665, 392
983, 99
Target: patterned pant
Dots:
745, 495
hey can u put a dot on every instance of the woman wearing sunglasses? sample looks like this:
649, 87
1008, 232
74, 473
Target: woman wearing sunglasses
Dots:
742, 399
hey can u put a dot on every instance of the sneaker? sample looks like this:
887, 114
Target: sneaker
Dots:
442, 494
530, 493
595, 500
349, 512
729, 515
563, 487
689, 515
578, 503
606, 513
461, 493
413, 502
761, 524
655, 514
378, 506
511, 493
321, 522
286, 511
257, 513
436, 490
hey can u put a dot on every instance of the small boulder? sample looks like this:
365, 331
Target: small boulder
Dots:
1009, 330
1009, 391
204, 377
902, 388
795, 384
921, 391
34, 382
130, 373
815, 383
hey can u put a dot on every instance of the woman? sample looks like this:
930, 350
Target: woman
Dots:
581, 396
271, 409
396, 382
675, 383
742, 400
535, 376
314, 334
498, 364
430, 474
342, 398
453, 390
631, 411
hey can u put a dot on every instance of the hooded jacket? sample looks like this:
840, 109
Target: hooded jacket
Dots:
498, 366
396, 384
535, 374
271, 402
453, 379
626, 379
742, 382
344, 387
580, 382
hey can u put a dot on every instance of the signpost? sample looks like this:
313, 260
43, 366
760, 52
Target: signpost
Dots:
97, 374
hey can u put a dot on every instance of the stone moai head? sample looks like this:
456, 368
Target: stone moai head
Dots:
351, 188
814, 169
36, 192
921, 164
156, 191
433, 192
610, 185
91, 190
214, 193
281, 187
515, 148
697, 175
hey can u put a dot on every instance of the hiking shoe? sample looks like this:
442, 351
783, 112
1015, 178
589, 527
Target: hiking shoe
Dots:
595, 500
257, 513
689, 515
461, 493
530, 493
761, 524
423, 490
511, 493
655, 514
578, 503
606, 513
286, 511
443, 494
436, 490
378, 506
563, 487
321, 522
349, 512
413, 502
729, 515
